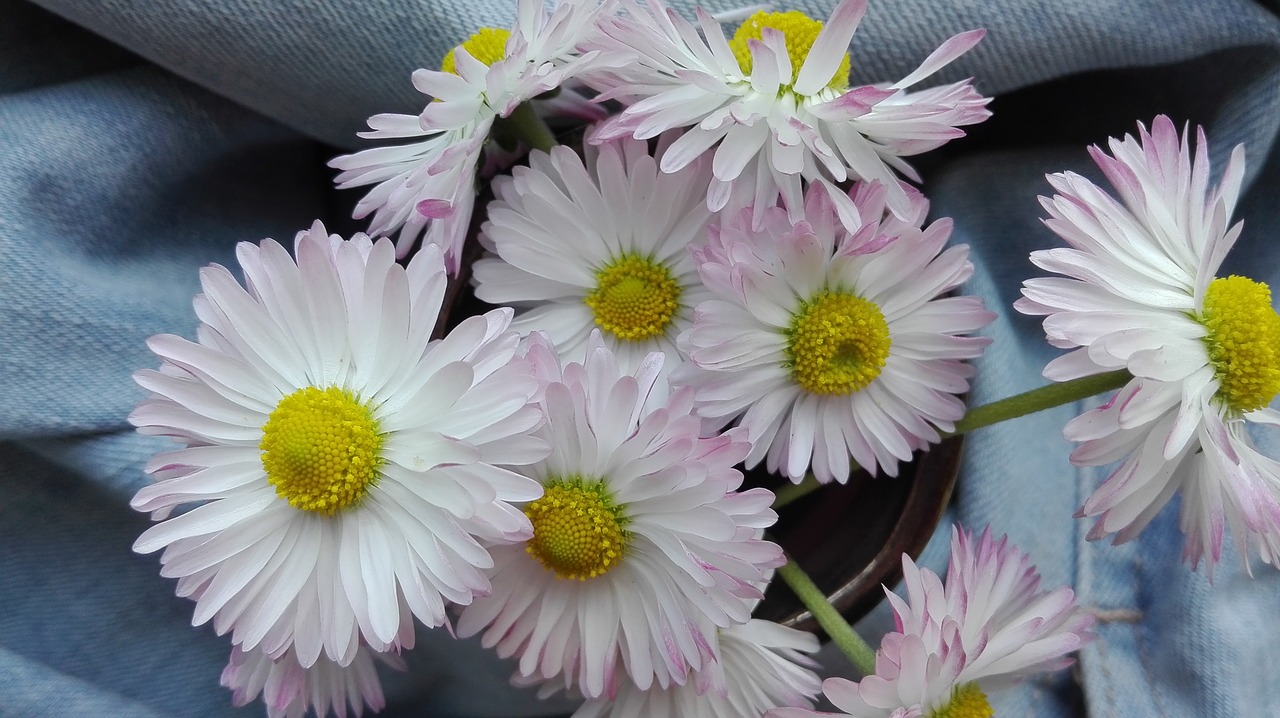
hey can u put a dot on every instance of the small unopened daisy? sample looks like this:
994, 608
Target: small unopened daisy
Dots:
640, 543
430, 183
828, 344
1139, 292
597, 244
760, 665
344, 463
289, 690
775, 102
989, 625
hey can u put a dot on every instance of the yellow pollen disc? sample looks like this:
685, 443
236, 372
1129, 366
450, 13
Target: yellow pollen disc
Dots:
968, 701
321, 449
635, 298
1243, 341
578, 532
838, 343
799, 29
488, 45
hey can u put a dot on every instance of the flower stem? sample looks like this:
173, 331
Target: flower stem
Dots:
791, 492
841, 633
1045, 397
1039, 399
523, 124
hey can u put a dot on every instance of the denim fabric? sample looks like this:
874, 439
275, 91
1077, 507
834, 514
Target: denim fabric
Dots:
143, 145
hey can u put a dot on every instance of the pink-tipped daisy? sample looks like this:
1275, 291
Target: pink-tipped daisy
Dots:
430, 183
1139, 292
640, 541
345, 464
774, 101
760, 665
597, 244
987, 626
289, 690
826, 344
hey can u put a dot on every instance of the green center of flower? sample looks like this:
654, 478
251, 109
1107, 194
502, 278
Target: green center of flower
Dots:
635, 298
1243, 341
837, 344
578, 531
321, 449
488, 45
800, 31
968, 701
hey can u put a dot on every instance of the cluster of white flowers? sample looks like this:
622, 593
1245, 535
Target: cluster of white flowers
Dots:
731, 272
355, 473
781, 299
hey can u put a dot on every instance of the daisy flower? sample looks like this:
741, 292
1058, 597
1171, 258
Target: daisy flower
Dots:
989, 625
289, 690
601, 243
640, 540
344, 463
760, 665
826, 343
775, 101
1139, 292
430, 183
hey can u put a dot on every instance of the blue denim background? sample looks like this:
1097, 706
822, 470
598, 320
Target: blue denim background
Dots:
146, 143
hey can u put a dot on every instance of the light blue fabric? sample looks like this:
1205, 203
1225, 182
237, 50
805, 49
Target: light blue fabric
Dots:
122, 173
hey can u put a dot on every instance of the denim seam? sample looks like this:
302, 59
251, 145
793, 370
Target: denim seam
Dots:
1105, 669
1138, 640
1079, 540
1083, 570
1086, 482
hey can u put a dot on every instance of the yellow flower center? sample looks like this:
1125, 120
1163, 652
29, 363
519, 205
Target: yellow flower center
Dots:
635, 298
799, 29
578, 532
1243, 341
968, 701
488, 45
321, 449
838, 343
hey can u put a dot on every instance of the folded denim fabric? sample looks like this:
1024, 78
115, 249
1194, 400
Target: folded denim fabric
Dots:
140, 141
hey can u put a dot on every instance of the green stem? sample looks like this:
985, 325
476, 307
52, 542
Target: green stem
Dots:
1045, 397
841, 633
524, 125
1012, 407
791, 492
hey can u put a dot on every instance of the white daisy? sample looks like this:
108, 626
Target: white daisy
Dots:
640, 540
289, 690
345, 463
775, 101
1139, 293
760, 665
431, 183
597, 244
987, 626
828, 344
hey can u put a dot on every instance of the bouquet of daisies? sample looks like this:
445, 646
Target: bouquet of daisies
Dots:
699, 250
